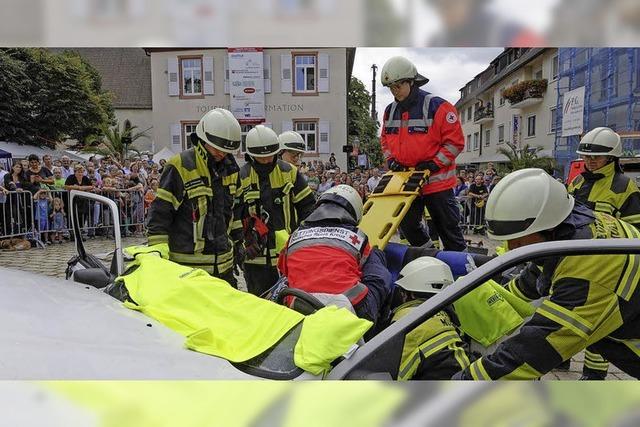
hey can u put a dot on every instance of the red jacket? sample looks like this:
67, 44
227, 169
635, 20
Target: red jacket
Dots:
326, 260
410, 138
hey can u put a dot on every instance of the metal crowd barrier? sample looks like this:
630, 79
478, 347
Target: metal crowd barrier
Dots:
33, 217
472, 214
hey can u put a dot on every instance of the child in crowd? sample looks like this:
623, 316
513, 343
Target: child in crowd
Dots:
42, 200
57, 220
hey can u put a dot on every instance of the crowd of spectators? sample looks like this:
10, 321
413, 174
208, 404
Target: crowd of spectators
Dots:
132, 184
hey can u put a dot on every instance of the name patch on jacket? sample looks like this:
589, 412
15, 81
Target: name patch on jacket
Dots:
356, 240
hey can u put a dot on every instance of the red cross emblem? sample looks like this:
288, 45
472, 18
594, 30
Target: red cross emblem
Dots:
354, 240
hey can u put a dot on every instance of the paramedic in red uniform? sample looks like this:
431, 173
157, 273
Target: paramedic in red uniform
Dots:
329, 254
423, 131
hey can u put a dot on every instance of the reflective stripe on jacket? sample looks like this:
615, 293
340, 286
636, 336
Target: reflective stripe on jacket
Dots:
429, 130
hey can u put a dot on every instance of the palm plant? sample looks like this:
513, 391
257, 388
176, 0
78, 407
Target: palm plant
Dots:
526, 157
114, 141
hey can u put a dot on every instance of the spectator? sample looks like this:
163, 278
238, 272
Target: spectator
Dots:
57, 220
372, 183
478, 194
312, 181
2, 174
151, 193
460, 190
15, 181
65, 164
42, 201
36, 175
325, 184
78, 181
162, 163
58, 180
332, 161
93, 174
494, 182
48, 164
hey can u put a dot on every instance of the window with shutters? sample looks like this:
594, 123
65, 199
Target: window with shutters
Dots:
244, 129
187, 129
191, 77
476, 141
487, 137
531, 126
308, 129
500, 134
468, 142
553, 120
501, 102
305, 73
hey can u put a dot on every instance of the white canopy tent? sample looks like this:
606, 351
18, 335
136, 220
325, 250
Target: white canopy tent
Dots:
165, 154
19, 151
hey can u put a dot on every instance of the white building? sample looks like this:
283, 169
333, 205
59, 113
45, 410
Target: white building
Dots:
302, 89
490, 121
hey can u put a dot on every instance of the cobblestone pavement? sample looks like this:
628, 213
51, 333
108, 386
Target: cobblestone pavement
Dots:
52, 261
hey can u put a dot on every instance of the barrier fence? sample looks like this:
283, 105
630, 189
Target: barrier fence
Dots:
44, 216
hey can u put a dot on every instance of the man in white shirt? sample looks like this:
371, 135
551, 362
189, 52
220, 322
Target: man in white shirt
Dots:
373, 181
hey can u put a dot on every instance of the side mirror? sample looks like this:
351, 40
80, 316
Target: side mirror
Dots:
96, 277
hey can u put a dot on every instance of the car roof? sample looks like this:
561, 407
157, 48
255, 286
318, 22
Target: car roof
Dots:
60, 330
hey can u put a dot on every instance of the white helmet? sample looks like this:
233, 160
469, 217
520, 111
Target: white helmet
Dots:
425, 275
220, 129
600, 141
293, 141
525, 202
400, 68
262, 142
345, 196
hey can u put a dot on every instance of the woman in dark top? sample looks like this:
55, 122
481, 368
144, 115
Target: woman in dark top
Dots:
15, 213
37, 176
478, 194
78, 181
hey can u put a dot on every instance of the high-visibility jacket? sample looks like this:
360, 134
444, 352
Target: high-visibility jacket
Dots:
608, 191
193, 211
278, 194
327, 260
421, 128
433, 350
586, 299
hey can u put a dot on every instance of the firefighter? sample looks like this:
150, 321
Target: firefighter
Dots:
589, 300
193, 210
434, 349
423, 131
275, 198
603, 187
329, 254
293, 147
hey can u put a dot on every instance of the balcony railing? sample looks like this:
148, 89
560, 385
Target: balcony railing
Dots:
483, 114
528, 92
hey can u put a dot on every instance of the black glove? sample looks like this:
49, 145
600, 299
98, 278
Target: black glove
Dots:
395, 166
430, 165
238, 257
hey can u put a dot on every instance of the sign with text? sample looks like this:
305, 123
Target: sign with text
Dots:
573, 112
246, 83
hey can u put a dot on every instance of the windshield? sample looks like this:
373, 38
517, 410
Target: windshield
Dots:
276, 363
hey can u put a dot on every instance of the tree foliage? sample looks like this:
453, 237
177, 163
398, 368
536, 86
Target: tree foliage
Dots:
111, 140
47, 98
360, 124
526, 157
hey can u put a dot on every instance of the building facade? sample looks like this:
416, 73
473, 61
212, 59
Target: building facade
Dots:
607, 83
304, 90
513, 101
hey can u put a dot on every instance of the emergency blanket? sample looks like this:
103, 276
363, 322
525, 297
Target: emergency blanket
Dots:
218, 320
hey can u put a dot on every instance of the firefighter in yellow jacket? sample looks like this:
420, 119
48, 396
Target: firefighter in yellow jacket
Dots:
274, 198
433, 350
604, 187
589, 300
193, 210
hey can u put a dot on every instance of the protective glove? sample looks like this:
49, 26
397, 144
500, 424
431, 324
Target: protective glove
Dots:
429, 165
395, 166
239, 255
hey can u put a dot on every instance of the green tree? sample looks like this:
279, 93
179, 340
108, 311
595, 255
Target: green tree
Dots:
51, 97
526, 157
110, 141
360, 124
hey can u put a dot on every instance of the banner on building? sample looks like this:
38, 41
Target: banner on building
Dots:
246, 84
573, 112
515, 135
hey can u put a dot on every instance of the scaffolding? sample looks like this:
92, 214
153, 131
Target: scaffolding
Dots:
612, 90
